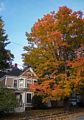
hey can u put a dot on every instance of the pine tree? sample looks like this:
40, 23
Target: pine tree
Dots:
5, 55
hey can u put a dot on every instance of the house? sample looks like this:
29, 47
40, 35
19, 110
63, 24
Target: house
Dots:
19, 81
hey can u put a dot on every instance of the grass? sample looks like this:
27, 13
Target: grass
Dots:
43, 112
32, 113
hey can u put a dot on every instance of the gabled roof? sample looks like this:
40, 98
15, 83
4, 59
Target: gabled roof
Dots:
14, 72
29, 73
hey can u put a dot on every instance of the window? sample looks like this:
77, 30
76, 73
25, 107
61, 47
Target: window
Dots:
29, 81
29, 97
15, 83
21, 83
9, 82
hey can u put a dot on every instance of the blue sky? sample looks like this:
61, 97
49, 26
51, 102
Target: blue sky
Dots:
20, 15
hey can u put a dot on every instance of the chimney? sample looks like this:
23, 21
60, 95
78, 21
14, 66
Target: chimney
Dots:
15, 65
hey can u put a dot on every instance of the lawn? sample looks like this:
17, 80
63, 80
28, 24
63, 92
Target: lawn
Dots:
39, 113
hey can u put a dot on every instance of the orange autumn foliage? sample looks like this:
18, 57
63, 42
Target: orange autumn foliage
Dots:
55, 41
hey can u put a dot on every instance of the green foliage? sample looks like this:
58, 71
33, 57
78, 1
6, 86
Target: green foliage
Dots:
37, 101
5, 55
7, 100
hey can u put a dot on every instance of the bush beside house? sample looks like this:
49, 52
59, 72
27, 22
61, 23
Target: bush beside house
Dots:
7, 100
37, 102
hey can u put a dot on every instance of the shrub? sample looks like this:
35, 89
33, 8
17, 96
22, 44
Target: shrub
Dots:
37, 102
7, 100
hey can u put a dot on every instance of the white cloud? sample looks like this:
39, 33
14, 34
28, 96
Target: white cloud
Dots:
2, 6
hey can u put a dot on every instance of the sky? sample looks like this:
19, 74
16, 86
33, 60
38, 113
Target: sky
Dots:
20, 15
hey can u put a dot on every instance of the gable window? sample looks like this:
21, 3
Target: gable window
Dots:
15, 83
35, 81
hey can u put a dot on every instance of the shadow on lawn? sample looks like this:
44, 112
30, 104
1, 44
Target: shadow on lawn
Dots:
32, 113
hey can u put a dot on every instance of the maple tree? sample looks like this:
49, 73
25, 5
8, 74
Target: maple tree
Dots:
52, 46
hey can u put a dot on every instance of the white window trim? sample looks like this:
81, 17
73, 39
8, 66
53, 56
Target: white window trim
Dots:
32, 94
13, 77
23, 83
17, 83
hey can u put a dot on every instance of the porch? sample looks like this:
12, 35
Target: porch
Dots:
24, 99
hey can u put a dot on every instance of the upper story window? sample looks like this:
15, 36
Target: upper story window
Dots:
21, 83
29, 81
9, 82
15, 83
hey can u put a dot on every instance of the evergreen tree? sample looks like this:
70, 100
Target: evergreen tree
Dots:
5, 55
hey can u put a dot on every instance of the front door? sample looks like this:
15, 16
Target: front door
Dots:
19, 98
